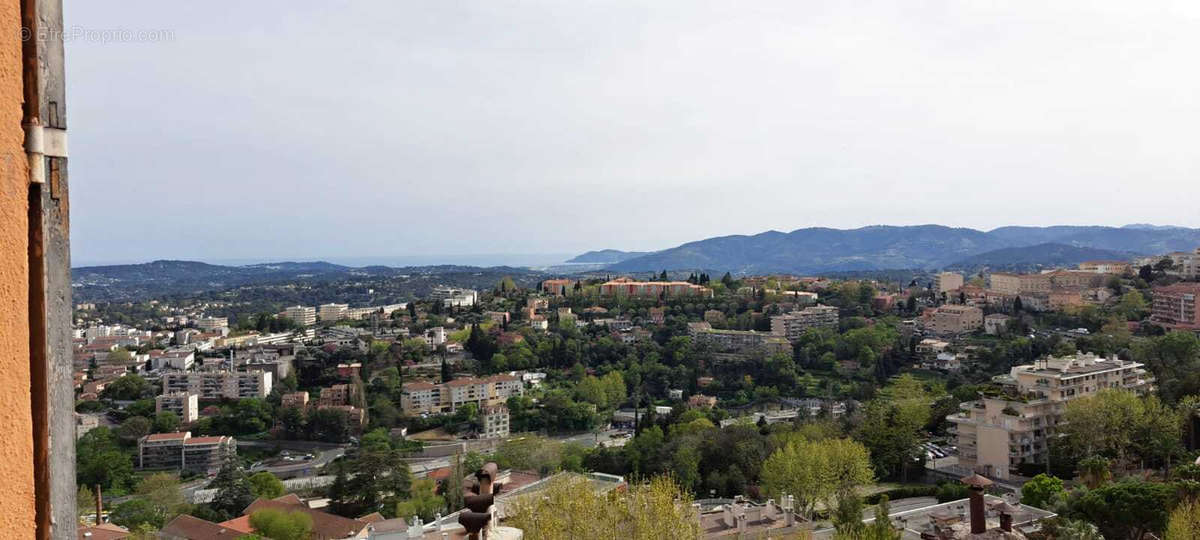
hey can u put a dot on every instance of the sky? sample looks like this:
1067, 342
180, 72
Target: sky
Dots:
305, 130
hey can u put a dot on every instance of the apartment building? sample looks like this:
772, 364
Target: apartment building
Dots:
425, 397
1106, 267
653, 289
995, 323
219, 384
742, 340
182, 451
298, 400
435, 336
181, 359
945, 282
210, 324
1175, 306
454, 297
559, 287
952, 320
332, 312
385, 311
1004, 283
338, 394
792, 325
303, 315
495, 422
1185, 264
185, 405
997, 433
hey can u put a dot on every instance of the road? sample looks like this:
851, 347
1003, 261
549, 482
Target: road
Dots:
301, 468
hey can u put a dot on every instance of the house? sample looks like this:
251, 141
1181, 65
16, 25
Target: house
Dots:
701, 401
995, 323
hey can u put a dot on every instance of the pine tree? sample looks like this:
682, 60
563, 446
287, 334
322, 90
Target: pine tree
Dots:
233, 490
447, 375
339, 492
663, 276
727, 280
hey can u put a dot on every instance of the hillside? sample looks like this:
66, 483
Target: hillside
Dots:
823, 250
131, 282
817, 250
1037, 256
605, 256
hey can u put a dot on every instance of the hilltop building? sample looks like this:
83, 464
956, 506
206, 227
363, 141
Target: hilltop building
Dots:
792, 325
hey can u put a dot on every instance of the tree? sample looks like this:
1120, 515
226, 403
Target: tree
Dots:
279, 525
1108, 422
892, 423
1184, 523
233, 490
166, 422
1043, 491
423, 502
128, 388
162, 491
816, 472
119, 356
569, 508
135, 512
1126, 509
1094, 471
881, 528
98, 460
339, 491
85, 501
265, 485
847, 516
1060, 528
329, 425
134, 428
379, 480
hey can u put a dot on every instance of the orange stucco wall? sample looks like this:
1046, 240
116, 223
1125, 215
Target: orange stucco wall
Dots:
16, 425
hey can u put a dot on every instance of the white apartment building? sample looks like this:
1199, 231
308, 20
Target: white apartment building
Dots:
435, 336
181, 359
997, 433
185, 405
793, 325
210, 324
303, 315
454, 297
495, 422
333, 312
947, 281
425, 397
219, 384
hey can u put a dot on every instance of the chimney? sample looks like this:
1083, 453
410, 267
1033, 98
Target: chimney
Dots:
976, 485
99, 506
1007, 512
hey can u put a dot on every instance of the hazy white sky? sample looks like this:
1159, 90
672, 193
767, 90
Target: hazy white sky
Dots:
305, 129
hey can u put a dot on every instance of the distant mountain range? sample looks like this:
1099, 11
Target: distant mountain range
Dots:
881, 247
153, 279
606, 256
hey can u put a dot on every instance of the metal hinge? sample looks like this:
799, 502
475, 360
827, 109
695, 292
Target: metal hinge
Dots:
42, 142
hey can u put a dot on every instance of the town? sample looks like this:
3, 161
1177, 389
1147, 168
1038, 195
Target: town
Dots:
940, 406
